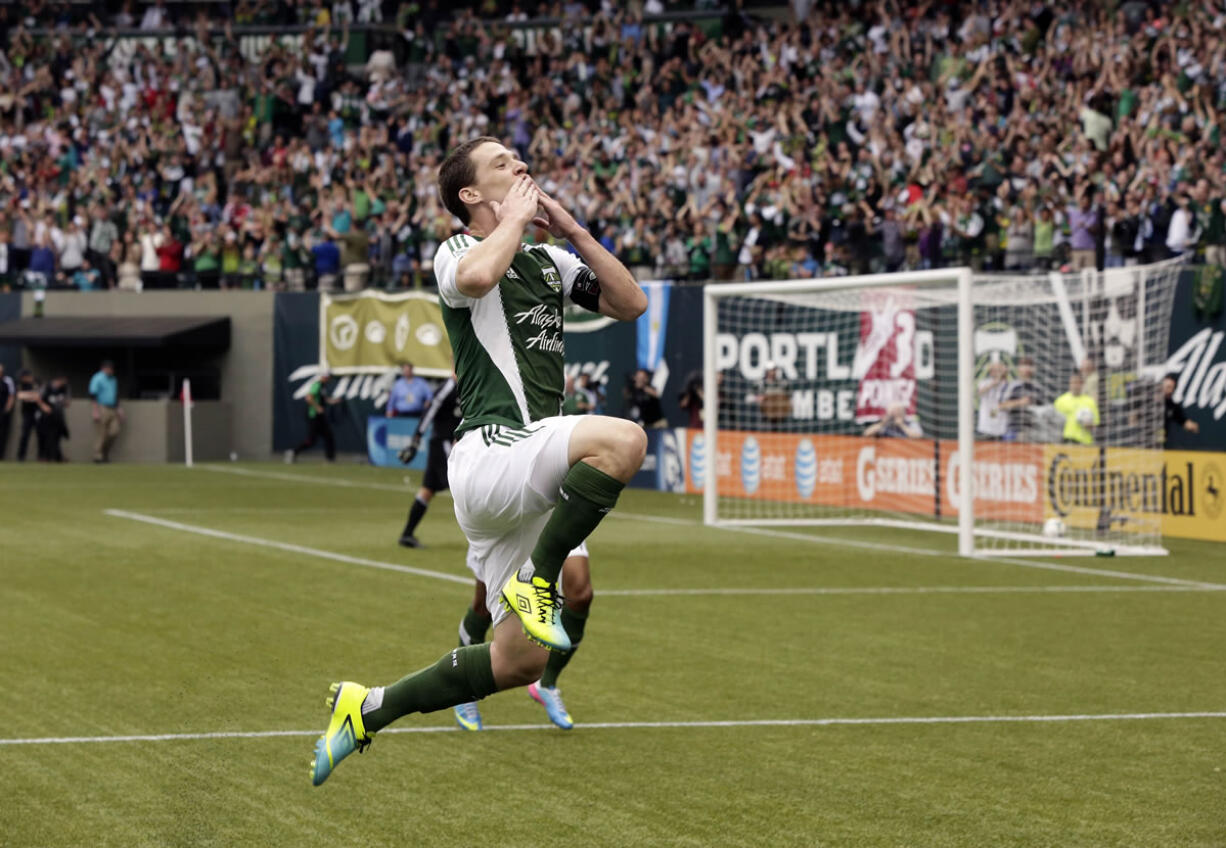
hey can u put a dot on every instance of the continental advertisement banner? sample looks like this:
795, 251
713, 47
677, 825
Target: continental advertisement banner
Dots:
1180, 492
1087, 487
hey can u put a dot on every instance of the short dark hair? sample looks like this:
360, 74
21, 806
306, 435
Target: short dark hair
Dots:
457, 172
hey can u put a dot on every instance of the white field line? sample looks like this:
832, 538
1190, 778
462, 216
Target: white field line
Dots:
307, 478
783, 534
804, 590
635, 725
285, 546
1044, 566
898, 590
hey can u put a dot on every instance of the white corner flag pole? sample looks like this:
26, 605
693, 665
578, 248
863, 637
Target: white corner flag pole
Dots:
187, 423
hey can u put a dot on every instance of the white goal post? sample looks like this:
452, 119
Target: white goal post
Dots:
1020, 412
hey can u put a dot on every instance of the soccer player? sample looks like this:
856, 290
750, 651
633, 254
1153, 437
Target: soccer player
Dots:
528, 483
444, 414
577, 590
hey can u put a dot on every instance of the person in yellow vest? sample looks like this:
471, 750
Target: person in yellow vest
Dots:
1080, 412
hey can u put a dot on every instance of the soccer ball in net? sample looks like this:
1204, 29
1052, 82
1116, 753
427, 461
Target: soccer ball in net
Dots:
1053, 528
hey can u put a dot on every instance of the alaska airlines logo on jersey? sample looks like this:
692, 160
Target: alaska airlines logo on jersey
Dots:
549, 320
541, 315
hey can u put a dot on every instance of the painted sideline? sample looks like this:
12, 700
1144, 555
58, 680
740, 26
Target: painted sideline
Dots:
285, 546
778, 534
634, 725
804, 590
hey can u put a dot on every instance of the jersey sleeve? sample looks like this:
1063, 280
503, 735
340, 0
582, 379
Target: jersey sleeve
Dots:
578, 280
446, 260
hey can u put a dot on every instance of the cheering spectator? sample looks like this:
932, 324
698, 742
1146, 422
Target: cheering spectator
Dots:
862, 137
73, 243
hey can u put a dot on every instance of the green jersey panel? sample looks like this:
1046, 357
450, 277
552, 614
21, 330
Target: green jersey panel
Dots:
508, 345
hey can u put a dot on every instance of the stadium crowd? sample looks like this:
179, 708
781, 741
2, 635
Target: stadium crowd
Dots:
1009, 134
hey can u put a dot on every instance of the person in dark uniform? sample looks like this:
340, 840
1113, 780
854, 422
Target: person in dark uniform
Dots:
444, 414
8, 399
1173, 415
53, 400
318, 425
27, 393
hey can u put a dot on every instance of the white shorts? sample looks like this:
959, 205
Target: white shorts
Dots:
504, 483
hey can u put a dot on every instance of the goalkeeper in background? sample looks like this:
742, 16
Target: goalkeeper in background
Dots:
444, 414
1080, 412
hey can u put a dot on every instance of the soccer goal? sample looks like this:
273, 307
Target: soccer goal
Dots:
1022, 413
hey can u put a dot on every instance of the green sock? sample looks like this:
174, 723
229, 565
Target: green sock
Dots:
587, 495
573, 622
460, 676
473, 628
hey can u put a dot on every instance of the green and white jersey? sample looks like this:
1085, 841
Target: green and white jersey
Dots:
508, 345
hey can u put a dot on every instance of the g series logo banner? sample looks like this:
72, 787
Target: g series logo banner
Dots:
1177, 493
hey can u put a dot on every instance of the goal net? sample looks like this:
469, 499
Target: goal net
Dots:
1022, 413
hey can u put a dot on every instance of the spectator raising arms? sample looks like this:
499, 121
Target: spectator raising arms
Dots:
886, 134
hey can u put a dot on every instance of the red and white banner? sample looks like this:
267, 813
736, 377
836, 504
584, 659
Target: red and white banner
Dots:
885, 355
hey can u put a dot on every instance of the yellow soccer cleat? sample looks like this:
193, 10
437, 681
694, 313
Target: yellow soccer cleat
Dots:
538, 605
346, 732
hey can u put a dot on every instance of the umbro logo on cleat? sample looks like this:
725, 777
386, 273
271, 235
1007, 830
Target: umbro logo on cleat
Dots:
525, 604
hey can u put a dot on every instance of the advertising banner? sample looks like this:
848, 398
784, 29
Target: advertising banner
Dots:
1177, 493
362, 339
885, 360
386, 437
1008, 481
372, 332
897, 475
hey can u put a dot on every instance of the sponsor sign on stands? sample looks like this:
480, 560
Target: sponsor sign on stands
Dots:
885, 360
1087, 487
373, 332
386, 437
1127, 489
1008, 481
839, 471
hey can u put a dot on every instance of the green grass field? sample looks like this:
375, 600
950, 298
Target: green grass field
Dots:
117, 627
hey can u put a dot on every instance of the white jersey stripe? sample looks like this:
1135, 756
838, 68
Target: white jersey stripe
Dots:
489, 322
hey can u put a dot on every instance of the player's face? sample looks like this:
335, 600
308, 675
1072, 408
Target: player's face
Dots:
497, 169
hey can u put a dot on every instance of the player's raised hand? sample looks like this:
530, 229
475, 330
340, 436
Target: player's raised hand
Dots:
520, 204
555, 219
